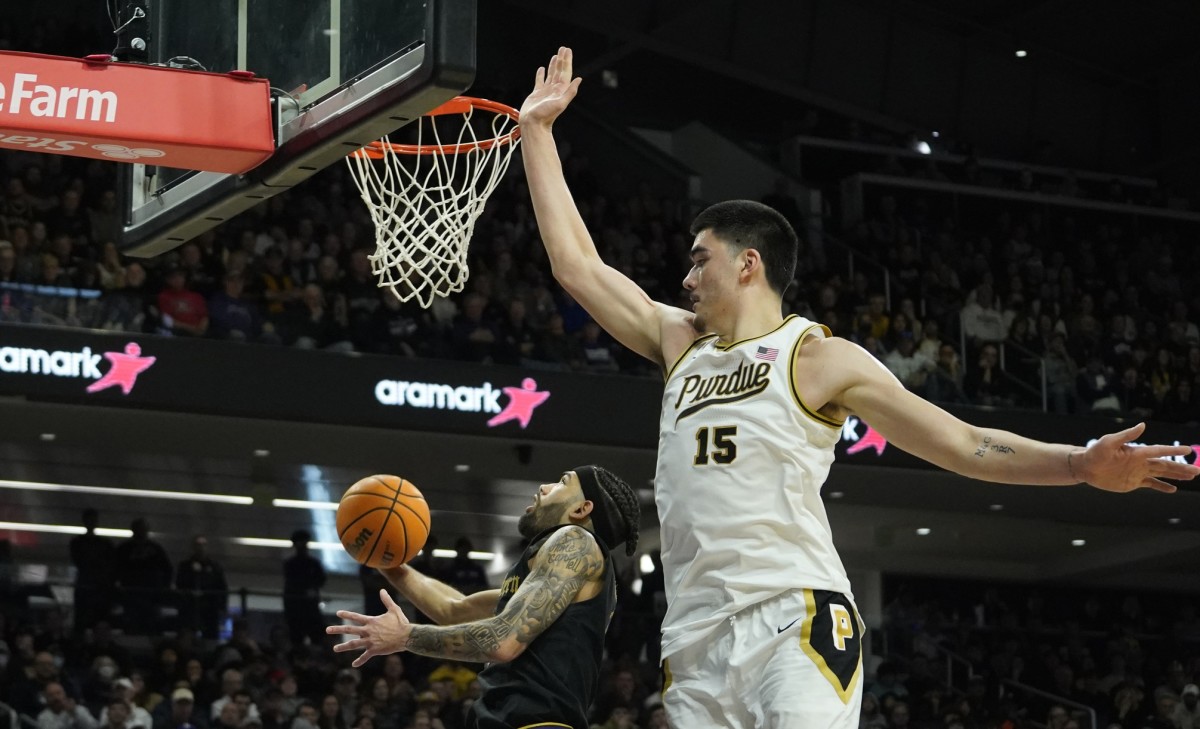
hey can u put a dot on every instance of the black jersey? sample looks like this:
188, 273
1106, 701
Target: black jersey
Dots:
555, 679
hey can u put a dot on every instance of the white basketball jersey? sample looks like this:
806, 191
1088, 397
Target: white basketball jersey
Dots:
741, 462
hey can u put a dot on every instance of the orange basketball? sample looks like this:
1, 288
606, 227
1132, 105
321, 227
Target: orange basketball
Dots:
383, 521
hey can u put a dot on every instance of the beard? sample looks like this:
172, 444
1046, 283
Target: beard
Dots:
540, 519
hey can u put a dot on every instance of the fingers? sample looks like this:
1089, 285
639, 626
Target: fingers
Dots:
388, 602
345, 630
356, 617
1130, 434
1162, 451
1157, 485
568, 62
1177, 471
539, 77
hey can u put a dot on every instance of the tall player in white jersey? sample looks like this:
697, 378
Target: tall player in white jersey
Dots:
761, 629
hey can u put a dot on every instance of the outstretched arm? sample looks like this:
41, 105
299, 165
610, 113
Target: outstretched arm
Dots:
442, 603
842, 378
569, 560
613, 300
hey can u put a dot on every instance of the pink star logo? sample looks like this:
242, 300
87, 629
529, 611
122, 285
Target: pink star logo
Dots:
871, 440
124, 370
521, 403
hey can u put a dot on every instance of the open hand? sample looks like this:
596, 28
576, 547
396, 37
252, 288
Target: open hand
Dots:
1112, 464
553, 89
375, 636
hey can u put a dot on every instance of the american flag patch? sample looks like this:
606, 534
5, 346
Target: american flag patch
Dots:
766, 353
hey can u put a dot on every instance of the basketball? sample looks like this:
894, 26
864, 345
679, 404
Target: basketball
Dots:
383, 521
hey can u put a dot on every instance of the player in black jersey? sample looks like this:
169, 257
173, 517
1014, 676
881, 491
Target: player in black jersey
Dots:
542, 632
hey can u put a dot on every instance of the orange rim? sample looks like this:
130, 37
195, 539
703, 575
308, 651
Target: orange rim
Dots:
457, 105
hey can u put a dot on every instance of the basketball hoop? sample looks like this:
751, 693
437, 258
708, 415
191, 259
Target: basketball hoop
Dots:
425, 197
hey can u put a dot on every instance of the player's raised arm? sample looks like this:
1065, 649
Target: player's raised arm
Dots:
615, 302
844, 379
568, 562
442, 603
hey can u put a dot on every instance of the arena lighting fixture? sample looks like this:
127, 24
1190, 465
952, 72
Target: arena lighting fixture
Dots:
996, 507
836, 494
17, 526
1078, 542
923, 147
136, 493
1174, 520
646, 564
1021, 53
923, 531
48, 437
287, 543
301, 504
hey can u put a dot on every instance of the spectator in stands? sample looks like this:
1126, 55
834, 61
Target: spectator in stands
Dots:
314, 325
981, 320
986, 384
303, 578
201, 583
1187, 711
232, 687
92, 557
1180, 405
1061, 376
1096, 388
116, 715
143, 571
8, 263
361, 294
132, 715
232, 315
275, 286
598, 350
62, 711
910, 367
330, 716
182, 311
556, 348
345, 688
476, 338
518, 337
228, 718
400, 689
105, 219
400, 328
946, 381
99, 684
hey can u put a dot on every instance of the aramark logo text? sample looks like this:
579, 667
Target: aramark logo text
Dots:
124, 367
483, 399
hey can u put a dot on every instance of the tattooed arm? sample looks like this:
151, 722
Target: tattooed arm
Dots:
442, 603
838, 378
568, 561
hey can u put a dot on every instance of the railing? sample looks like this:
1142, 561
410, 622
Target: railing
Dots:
950, 659
1091, 713
1003, 347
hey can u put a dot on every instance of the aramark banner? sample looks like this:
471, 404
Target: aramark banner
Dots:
206, 376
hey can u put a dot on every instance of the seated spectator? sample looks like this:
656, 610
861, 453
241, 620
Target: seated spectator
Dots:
182, 311
986, 384
1097, 390
982, 320
518, 337
232, 315
62, 712
134, 715
1187, 711
557, 349
313, 325
276, 288
870, 715
945, 383
597, 348
116, 716
8, 263
909, 366
476, 339
306, 717
399, 327
1181, 405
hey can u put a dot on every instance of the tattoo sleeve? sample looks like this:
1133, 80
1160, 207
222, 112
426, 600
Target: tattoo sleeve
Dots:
568, 561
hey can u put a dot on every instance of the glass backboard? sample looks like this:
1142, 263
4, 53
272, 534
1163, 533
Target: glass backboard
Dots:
343, 73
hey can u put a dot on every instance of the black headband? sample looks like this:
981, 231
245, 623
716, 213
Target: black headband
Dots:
613, 535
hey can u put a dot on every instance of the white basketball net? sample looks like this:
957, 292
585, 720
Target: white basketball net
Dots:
424, 206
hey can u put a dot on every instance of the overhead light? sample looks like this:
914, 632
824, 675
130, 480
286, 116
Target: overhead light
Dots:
1078, 542
301, 504
836, 494
136, 493
1174, 520
1021, 53
645, 564
936, 134
923, 147
923, 531
48, 437
996, 507
450, 553
462, 467
261, 452
282, 543
16, 526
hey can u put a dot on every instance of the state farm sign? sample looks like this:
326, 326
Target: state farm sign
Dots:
60, 102
131, 112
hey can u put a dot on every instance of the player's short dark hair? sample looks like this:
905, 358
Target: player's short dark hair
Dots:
743, 224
